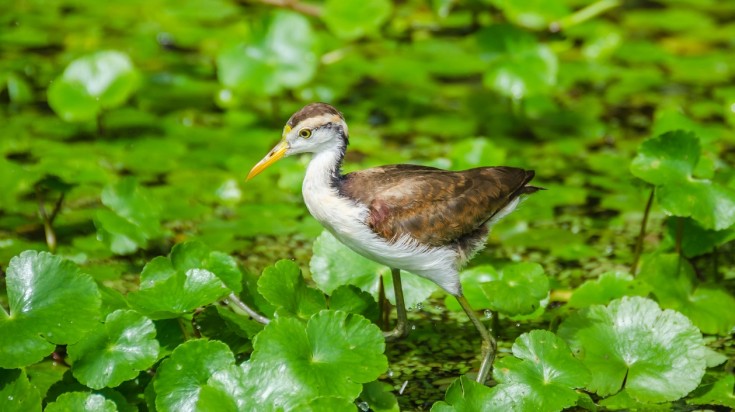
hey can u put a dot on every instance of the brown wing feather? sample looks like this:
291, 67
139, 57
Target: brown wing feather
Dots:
434, 206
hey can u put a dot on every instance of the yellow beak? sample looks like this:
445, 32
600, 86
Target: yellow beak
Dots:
273, 156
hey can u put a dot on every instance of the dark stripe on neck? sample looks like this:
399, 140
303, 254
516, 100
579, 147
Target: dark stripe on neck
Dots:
337, 178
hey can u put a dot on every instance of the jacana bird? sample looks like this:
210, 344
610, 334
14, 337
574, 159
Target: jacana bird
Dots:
421, 219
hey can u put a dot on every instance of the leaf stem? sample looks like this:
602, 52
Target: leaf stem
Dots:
584, 14
642, 234
48, 220
234, 300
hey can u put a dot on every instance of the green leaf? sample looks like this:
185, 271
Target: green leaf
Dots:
45, 374
350, 19
534, 14
623, 401
293, 363
349, 298
668, 161
167, 293
472, 281
130, 220
543, 375
518, 289
334, 264
668, 158
19, 90
195, 255
710, 204
116, 351
327, 404
279, 58
476, 152
181, 377
465, 395
378, 396
220, 323
81, 401
41, 289
718, 393
519, 66
16, 392
710, 307
284, 287
609, 286
697, 240
631, 343
92, 83
212, 399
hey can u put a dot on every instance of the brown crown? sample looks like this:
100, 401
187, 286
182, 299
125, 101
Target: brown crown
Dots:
313, 110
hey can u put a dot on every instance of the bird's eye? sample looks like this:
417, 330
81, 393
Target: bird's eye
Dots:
305, 133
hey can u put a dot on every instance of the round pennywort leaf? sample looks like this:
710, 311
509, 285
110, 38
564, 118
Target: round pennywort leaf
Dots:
81, 401
350, 19
293, 363
51, 303
92, 83
656, 355
284, 287
116, 351
542, 376
668, 158
280, 57
16, 392
518, 289
180, 378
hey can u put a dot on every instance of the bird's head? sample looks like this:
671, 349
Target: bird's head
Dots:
316, 128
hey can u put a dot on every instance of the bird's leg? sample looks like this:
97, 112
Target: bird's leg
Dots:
383, 306
401, 329
488, 342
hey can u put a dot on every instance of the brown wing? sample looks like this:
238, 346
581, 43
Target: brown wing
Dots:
434, 206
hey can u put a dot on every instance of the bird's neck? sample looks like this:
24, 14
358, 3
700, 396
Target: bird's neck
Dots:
324, 170
322, 185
